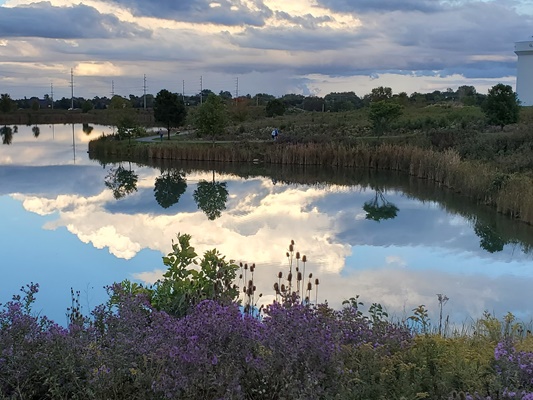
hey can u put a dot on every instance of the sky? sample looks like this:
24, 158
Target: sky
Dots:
309, 47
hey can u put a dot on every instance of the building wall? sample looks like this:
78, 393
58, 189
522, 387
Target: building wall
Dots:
524, 73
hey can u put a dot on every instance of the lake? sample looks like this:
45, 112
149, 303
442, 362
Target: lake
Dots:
71, 222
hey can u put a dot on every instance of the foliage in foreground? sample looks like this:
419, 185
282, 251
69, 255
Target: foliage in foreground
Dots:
206, 347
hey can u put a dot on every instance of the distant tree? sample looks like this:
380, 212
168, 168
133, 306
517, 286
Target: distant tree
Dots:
293, 100
118, 103
35, 104
380, 93
382, 114
313, 103
224, 94
275, 107
211, 117
261, 99
343, 101
169, 187
501, 106
169, 110
6, 104
87, 106
211, 197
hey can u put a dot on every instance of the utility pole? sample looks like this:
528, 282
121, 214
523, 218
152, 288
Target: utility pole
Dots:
72, 88
112, 89
201, 90
144, 92
52, 93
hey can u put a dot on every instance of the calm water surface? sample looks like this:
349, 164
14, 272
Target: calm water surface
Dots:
69, 221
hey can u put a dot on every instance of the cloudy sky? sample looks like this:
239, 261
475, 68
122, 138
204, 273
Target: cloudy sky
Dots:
310, 47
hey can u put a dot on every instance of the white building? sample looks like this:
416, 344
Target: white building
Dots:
524, 73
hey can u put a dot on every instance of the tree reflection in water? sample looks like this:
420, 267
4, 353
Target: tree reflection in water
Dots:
379, 208
7, 134
121, 181
211, 197
169, 187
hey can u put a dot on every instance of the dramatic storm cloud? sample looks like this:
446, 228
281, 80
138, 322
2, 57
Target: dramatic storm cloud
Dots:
267, 46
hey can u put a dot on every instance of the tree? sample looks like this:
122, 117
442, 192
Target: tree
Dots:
119, 103
275, 107
212, 116
380, 93
501, 106
6, 104
169, 187
87, 129
169, 110
382, 113
211, 197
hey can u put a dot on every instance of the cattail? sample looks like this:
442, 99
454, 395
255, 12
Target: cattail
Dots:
292, 242
299, 276
316, 281
244, 289
297, 255
283, 287
280, 275
253, 287
276, 287
304, 258
310, 275
291, 248
309, 286
246, 266
289, 277
240, 276
240, 264
287, 254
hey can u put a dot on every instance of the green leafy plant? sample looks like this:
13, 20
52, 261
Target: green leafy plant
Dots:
190, 279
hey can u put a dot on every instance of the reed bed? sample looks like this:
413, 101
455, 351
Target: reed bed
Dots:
509, 194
